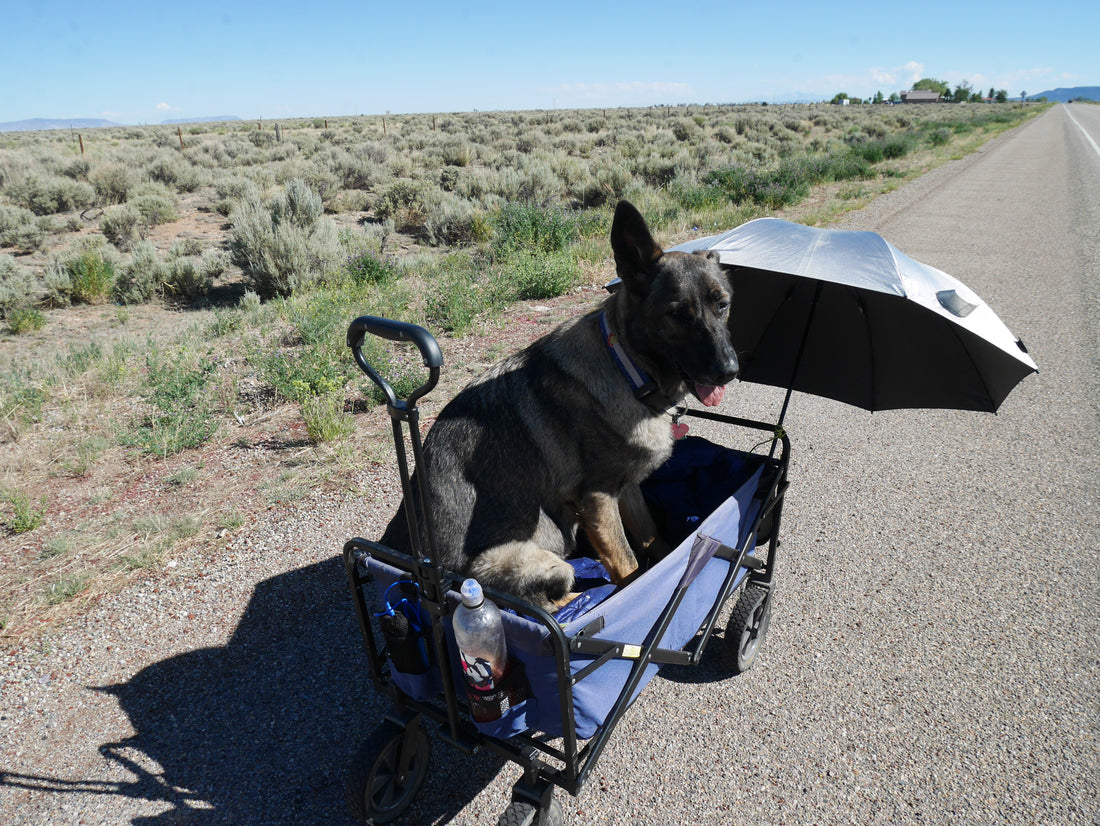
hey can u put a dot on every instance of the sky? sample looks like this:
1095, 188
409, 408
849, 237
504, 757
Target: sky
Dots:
149, 62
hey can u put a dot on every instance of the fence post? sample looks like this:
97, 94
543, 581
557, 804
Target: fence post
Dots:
81, 139
383, 127
179, 131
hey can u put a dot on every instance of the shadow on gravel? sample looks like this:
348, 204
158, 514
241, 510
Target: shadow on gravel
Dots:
261, 730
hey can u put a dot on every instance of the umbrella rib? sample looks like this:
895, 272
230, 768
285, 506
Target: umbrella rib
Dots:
801, 351
870, 350
973, 364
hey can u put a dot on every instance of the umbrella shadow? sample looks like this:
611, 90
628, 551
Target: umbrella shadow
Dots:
262, 730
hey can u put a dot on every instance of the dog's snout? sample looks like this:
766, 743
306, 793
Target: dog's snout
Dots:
731, 369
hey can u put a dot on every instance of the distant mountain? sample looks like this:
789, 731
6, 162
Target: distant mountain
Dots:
209, 119
1066, 95
39, 124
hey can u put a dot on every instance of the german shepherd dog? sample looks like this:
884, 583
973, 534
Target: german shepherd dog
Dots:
557, 436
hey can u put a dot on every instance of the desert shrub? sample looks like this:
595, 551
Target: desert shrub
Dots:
531, 229
51, 194
250, 304
453, 221
120, 225
232, 189
939, 137
457, 153
285, 245
155, 203
77, 169
190, 276
534, 182
354, 169
319, 180
842, 166
91, 273
530, 141
685, 130
458, 293
262, 138
164, 138
175, 173
298, 204
184, 246
185, 279
694, 196
607, 184
897, 146
403, 201
300, 373
325, 418
656, 169
20, 229
112, 183
58, 284
142, 277
535, 276
370, 268
350, 200
448, 179
25, 320
25, 515
17, 285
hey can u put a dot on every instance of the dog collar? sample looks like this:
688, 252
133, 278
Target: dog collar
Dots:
645, 389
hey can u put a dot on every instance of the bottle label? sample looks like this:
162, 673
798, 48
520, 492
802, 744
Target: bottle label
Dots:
489, 698
478, 672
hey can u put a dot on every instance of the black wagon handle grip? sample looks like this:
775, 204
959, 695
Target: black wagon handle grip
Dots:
393, 330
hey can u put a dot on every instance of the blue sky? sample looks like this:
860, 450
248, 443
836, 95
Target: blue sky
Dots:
152, 61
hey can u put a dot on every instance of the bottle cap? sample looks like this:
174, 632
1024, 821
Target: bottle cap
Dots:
472, 595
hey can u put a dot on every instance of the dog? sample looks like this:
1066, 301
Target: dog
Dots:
554, 439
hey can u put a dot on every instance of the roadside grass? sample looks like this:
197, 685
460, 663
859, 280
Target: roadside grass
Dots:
114, 407
25, 513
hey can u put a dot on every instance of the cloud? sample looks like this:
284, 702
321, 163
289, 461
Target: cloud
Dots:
897, 77
163, 107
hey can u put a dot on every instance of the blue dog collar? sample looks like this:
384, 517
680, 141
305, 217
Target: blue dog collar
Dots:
645, 390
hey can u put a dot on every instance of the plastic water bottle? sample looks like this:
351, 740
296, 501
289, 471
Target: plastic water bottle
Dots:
483, 650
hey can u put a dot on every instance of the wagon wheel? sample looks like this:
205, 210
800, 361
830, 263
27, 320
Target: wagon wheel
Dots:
521, 813
387, 772
747, 627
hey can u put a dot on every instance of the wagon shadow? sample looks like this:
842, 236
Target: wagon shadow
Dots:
262, 729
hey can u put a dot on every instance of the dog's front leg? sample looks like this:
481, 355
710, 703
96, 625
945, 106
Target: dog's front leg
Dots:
639, 523
602, 524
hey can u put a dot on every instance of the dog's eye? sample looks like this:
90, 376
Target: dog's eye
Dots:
678, 313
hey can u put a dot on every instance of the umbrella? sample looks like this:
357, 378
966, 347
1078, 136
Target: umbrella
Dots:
847, 316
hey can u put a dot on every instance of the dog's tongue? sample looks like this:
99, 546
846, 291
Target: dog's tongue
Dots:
710, 396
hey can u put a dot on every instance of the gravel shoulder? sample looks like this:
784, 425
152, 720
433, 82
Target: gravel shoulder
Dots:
933, 656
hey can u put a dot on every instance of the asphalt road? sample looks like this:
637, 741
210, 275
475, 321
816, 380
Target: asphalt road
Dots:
933, 656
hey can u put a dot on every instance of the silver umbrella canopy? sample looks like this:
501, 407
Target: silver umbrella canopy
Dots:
847, 316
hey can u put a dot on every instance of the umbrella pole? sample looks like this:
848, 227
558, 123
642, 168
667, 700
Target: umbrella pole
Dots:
797, 363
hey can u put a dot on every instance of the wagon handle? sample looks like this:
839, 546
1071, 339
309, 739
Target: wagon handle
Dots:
396, 331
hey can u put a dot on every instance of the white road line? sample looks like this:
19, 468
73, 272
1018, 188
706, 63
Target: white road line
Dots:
1088, 137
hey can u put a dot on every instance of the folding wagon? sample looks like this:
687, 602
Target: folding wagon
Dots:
576, 673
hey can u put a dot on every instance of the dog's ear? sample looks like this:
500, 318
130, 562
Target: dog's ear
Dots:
710, 255
633, 245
